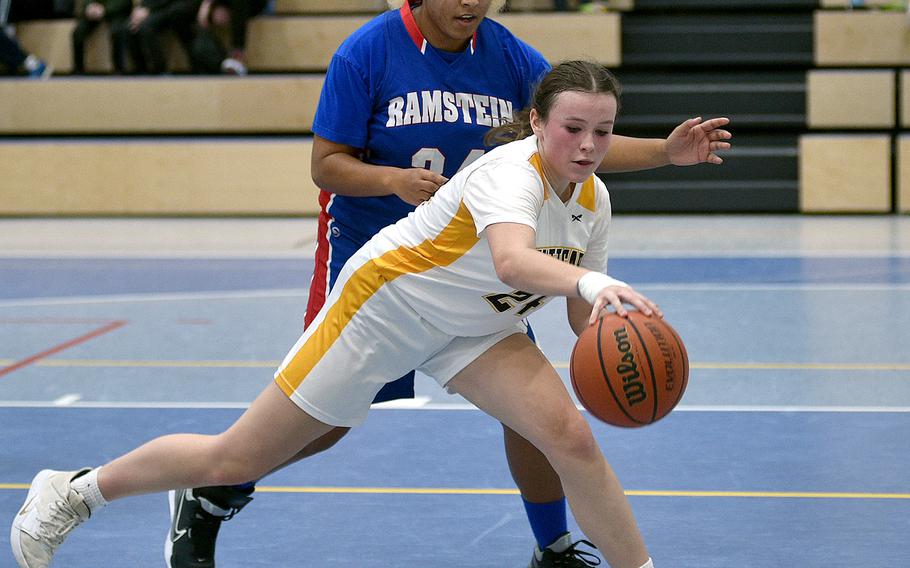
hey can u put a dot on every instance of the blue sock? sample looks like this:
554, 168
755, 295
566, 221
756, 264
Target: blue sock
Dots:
548, 520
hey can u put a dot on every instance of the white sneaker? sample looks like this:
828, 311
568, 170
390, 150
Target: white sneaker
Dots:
231, 66
52, 509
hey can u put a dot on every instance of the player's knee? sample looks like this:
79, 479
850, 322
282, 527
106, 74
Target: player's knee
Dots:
571, 441
227, 464
228, 470
324, 442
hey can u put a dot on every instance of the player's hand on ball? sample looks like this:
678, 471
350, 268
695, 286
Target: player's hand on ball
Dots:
618, 295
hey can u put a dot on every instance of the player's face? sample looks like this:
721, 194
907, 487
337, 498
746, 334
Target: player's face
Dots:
575, 137
450, 24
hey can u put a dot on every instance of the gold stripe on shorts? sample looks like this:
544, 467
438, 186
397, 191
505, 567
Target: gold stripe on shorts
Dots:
449, 245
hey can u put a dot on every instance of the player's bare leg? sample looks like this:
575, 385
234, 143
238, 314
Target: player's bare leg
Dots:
515, 383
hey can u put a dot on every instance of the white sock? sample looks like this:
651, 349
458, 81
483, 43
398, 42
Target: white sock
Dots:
31, 63
648, 564
87, 486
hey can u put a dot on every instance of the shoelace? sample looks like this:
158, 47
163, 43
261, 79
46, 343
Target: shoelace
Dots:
62, 520
573, 557
230, 515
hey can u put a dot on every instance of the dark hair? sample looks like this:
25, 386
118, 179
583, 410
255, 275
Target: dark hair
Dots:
581, 76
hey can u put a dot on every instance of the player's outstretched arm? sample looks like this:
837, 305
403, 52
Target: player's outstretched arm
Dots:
693, 142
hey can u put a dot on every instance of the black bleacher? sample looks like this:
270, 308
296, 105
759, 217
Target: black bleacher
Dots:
758, 175
744, 60
738, 39
718, 5
758, 99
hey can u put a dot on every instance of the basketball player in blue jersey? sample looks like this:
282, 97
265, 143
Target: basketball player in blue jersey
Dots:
406, 103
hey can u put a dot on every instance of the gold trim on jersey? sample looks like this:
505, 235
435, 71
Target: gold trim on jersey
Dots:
587, 198
538, 165
457, 238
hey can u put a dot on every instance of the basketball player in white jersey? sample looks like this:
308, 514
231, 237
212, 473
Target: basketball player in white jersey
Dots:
444, 291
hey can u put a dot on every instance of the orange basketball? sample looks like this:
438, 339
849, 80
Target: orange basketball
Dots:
629, 372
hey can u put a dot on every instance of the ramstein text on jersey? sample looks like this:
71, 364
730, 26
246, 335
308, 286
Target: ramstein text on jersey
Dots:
444, 106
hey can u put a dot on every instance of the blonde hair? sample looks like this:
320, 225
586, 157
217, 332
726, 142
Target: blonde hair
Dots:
495, 6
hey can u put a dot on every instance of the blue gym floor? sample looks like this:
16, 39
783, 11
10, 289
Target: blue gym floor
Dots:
791, 446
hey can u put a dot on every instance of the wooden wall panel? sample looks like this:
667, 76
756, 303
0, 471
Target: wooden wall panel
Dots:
565, 35
861, 38
210, 105
903, 174
307, 43
845, 173
157, 177
851, 99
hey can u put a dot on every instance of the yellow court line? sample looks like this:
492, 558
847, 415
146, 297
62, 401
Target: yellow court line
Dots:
769, 494
636, 493
388, 490
631, 493
222, 364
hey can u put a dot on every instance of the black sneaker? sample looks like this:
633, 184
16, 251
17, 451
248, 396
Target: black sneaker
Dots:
196, 516
564, 553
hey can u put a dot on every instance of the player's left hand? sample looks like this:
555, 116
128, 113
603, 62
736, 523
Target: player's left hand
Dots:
695, 142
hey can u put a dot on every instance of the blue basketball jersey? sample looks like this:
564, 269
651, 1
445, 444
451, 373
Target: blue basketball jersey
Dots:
407, 104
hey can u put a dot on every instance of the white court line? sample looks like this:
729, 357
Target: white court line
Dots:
438, 406
788, 408
157, 297
303, 293
67, 400
670, 254
303, 250
158, 254
784, 287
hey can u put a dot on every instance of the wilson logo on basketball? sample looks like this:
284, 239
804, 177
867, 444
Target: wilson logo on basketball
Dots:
629, 371
628, 368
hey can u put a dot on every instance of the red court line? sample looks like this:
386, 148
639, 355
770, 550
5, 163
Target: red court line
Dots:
58, 348
58, 321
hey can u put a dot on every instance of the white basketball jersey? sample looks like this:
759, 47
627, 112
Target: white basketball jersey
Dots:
438, 256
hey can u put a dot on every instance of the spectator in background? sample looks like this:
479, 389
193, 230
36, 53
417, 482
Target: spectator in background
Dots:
24, 10
14, 57
95, 12
148, 22
589, 6
208, 54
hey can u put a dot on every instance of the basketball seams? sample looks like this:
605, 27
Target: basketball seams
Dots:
644, 349
606, 375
